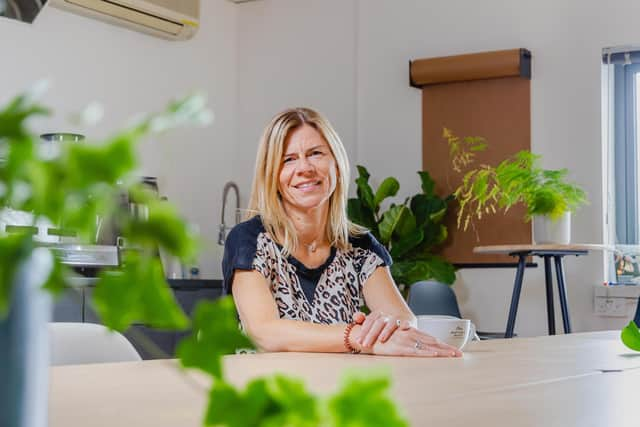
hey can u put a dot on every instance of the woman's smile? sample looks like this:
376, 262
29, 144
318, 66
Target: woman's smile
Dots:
308, 186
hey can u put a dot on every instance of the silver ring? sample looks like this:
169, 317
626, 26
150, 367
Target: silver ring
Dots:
386, 319
418, 345
398, 322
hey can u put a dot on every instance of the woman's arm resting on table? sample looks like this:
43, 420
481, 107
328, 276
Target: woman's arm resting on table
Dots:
390, 328
259, 316
389, 311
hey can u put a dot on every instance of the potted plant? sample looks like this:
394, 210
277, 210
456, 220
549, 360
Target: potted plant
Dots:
409, 230
548, 196
75, 185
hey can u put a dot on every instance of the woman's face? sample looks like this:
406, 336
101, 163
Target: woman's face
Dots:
307, 171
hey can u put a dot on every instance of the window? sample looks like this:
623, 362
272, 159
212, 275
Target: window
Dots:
621, 116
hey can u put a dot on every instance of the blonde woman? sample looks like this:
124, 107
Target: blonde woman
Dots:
298, 270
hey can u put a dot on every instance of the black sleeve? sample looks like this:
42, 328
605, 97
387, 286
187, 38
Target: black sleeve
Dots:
239, 252
368, 241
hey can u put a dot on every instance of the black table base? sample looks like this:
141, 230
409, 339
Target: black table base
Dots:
547, 255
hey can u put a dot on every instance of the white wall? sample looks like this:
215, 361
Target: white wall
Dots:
295, 53
350, 59
130, 72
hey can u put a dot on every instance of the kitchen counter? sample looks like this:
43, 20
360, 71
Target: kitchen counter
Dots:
186, 284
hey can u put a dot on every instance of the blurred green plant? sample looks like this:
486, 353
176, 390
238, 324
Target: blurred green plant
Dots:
486, 189
630, 336
410, 230
84, 180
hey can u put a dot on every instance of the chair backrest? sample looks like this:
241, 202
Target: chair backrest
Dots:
81, 343
431, 297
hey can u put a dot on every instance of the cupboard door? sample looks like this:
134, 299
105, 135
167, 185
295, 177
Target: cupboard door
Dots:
189, 298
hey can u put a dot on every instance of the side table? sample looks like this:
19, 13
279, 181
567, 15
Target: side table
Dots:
547, 252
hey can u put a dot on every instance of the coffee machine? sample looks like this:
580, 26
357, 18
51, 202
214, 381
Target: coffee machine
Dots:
105, 251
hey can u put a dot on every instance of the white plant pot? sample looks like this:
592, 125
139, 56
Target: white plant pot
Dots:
548, 231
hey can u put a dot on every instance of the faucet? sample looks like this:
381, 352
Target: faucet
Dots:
222, 234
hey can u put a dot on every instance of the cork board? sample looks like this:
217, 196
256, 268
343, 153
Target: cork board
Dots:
498, 109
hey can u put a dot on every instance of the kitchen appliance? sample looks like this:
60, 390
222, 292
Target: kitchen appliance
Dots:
86, 258
168, 19
108, 232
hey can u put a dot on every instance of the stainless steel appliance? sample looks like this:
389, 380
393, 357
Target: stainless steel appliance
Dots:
86, 256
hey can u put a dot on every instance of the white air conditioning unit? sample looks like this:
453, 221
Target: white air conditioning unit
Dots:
169, 19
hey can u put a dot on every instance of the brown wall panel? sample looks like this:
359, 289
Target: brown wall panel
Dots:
499, 110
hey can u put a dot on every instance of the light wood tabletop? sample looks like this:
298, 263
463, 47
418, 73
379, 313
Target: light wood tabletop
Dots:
507, 249
522, 373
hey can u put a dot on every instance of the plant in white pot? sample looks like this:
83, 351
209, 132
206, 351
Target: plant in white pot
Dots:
547, 195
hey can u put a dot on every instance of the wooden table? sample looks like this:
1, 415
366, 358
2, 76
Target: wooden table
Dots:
516, 382
547, 252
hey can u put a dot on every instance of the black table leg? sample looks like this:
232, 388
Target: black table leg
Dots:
551, 321
517, 287
562, 290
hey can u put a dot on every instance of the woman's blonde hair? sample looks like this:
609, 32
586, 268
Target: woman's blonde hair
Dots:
265, 198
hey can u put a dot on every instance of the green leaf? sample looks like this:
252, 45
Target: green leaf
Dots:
275, 401
163, 227
392, 219
108, 163
360, 214
215, 333
364, 190
426, 268
427, 208
14, 249
137, 293
405, 244
363, 172
364, 402
14, 116
57, 282
434, 234
406, 224
428, 184
631, 336
388, 188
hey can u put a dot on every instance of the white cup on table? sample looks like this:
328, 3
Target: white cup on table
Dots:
448, 329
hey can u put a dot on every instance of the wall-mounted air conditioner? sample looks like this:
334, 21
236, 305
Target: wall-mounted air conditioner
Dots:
169, 19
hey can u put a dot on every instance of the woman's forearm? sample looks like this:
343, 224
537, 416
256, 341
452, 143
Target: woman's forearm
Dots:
295, 335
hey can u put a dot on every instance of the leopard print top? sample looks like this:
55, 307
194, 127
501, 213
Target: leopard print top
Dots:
338, 293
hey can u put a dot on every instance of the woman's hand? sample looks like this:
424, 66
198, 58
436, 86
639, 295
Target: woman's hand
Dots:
412, 342
377, 326
403, 340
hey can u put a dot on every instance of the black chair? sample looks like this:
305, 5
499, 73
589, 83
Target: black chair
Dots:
435, 298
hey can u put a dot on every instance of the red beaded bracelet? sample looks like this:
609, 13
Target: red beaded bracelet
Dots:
347, 344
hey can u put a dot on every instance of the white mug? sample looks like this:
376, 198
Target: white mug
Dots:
451, 330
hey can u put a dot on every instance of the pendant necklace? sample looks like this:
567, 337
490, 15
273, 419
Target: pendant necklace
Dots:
312, 247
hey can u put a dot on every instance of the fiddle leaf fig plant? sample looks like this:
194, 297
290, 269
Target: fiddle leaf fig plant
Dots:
409, 230
84, 180
488, 189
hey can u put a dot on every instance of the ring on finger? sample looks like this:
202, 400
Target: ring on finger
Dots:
386, 319
398, 322
418, 345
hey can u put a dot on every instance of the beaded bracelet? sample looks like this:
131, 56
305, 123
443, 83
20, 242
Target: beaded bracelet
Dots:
347, 344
